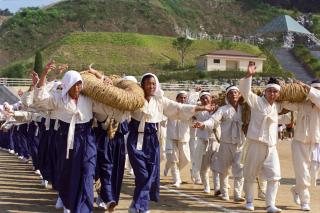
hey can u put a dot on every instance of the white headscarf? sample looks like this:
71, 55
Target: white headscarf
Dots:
69, 79
130, 78
159, 92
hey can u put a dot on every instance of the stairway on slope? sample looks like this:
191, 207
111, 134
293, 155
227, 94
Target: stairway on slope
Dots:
290, 63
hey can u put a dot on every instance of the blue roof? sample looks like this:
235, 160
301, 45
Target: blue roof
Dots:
282, 24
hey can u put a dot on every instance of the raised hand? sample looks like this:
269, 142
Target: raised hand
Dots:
251, 70
62, 68
107, 81
198, 124
49, 67
35, 78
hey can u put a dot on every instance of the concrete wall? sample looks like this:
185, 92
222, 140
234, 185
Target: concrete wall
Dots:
222, 66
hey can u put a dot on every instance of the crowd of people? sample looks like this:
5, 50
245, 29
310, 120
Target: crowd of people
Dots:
70, 140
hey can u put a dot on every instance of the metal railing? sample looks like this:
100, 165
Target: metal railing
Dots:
14, 82
11, 82
188, 87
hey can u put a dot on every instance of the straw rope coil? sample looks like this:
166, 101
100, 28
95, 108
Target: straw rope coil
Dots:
123, 94
292, 92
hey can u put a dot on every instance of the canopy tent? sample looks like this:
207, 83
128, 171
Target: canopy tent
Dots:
283, 24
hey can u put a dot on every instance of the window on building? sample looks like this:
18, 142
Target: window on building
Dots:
216, 61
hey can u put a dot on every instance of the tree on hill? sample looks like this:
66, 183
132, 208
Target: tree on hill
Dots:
182, 44
5, 12
38, 63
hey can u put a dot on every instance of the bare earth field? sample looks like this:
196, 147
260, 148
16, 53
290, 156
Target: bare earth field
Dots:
20, 191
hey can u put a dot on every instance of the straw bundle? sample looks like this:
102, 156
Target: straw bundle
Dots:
123, 94
293, 93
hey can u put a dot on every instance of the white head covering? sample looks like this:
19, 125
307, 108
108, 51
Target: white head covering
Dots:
159, 92
232, 88
204, 93
275, 86
182, 92
69, 79
130, 78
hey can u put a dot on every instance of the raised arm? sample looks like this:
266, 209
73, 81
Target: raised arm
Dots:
245, 87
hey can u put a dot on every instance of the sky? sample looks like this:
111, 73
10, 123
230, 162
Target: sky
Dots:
15, 5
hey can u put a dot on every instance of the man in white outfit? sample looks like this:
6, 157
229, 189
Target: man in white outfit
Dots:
232, 138
177, 143
207, 147
261, 158
305, 142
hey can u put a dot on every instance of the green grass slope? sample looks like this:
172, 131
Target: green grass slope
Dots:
130, 53
31, 29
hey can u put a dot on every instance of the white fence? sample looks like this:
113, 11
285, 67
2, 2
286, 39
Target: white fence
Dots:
11, 82
14, 82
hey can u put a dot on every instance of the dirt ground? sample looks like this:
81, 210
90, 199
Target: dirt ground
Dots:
20, 191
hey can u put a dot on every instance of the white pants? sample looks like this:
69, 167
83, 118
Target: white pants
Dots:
205, 151
315, 167
261, 161
178, 156
228, 157
301, 159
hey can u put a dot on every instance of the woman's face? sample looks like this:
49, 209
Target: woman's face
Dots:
233, 96
149, 86
75, 90
205, 99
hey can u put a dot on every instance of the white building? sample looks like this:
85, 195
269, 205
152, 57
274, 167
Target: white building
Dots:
223, 60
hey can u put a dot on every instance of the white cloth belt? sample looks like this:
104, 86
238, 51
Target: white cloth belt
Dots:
37, 129
56, 125
47, 121
236, 131
72, 126
141, 133
265, 122
316, 153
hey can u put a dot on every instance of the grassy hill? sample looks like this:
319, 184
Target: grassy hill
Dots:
129, 53
32, 29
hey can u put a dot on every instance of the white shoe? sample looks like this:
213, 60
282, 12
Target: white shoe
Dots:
295, 196
177, 184
11, 151
249, 207
16, 154
207, 190
273, 209
225, 197
100, 203
59, 203
20, 157
65, 210
37, 172
44, 183
305, 207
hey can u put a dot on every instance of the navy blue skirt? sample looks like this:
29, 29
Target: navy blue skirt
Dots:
111, 162
75, 184
145, 164
33, 141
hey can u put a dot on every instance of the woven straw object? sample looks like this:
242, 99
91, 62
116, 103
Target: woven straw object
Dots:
292, 92
123, 94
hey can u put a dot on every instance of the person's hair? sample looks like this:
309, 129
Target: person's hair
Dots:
146, 77
315, 81
273, 81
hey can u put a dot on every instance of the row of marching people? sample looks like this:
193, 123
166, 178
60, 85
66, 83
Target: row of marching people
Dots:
222, 143
78, 151
71, 151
